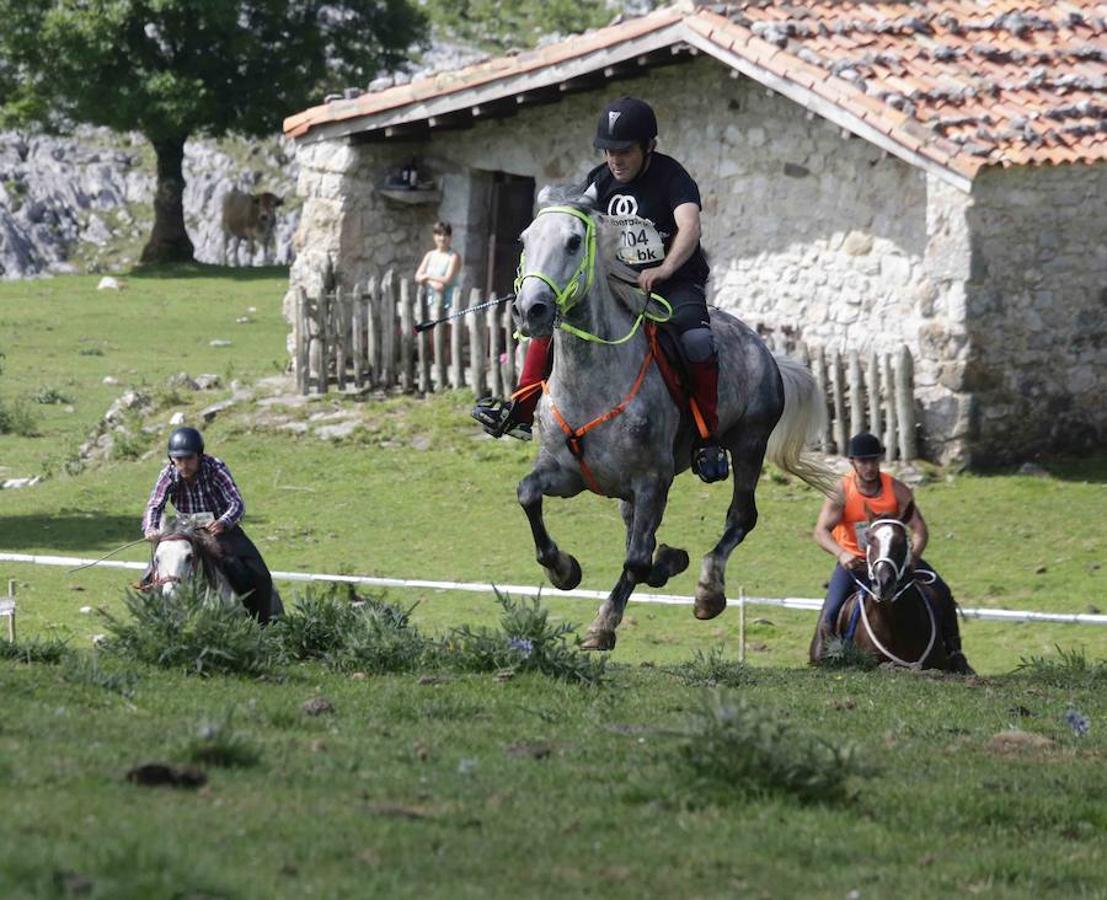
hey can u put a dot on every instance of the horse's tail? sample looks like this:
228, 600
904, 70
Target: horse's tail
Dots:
803, 419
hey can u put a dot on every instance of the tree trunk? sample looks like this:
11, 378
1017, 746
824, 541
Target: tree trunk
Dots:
169, 242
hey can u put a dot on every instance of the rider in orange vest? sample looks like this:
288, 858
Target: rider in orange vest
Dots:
863, 494
657, 203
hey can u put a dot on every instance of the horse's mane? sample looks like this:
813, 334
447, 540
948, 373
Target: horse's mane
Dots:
621, 279
202, 540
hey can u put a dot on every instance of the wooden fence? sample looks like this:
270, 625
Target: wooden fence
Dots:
365, 339
865, 392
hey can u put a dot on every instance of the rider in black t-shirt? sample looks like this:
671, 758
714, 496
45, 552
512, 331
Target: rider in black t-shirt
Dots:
656, 203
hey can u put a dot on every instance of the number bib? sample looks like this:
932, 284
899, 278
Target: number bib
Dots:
639, 242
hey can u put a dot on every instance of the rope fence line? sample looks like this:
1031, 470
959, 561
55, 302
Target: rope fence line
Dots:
524, 590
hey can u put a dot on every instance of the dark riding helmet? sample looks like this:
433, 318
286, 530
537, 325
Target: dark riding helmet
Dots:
865, 446
185, 442
624, 123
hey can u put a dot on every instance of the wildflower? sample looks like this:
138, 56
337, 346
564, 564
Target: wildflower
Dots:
1078, 722
524, 646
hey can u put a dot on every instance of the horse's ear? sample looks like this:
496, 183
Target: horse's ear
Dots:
546, 196
869, 514
908, 512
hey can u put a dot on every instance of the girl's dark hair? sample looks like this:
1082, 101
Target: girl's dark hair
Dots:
443, 228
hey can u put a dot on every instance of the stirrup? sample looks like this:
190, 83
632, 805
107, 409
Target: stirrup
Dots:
709, 461
495, 417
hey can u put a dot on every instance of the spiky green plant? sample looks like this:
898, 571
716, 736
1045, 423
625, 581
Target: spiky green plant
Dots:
193, 631
526, 641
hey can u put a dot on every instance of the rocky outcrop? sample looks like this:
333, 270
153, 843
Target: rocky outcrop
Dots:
84, 202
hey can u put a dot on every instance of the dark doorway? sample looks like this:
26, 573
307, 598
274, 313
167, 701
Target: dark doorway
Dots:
512, 210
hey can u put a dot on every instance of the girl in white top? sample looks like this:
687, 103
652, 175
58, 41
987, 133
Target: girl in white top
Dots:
441, 266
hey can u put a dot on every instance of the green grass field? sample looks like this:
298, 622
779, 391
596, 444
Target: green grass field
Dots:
413, 789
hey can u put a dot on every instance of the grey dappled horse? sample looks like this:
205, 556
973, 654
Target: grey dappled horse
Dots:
571, 285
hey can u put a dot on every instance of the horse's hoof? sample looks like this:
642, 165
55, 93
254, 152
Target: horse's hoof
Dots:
708, 605
598, 640
571, 580
668, 563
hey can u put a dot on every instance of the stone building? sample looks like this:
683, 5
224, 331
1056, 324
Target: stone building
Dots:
930, 174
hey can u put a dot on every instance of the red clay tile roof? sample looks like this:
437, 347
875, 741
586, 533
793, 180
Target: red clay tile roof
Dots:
961, 83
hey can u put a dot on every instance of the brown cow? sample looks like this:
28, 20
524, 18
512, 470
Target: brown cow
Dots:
250, 217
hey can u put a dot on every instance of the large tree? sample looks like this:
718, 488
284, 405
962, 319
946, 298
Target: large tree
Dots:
175, 68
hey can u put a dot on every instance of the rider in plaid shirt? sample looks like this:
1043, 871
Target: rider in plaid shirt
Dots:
211, 490
195, 483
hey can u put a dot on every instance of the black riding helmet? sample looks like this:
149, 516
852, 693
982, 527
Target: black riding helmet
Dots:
185, 442
624, 123
865, 446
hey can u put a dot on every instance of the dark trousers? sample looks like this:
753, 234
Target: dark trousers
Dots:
247, 572
844, 583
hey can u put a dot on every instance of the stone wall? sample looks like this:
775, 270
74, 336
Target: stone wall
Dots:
1037, 311
813, 237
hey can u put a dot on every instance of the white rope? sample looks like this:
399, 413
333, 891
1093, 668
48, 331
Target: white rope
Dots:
879, 646
807, 603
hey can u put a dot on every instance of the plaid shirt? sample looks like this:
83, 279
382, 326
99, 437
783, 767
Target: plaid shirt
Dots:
212, 490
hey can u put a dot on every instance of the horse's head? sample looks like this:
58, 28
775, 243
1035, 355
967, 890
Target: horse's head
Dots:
888, 553
181, 553
558, 265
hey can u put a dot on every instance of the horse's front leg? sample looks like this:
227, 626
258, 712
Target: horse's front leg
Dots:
550, 479
741, 517
642, 518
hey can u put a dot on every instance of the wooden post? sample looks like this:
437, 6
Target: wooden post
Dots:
303, 343
407, 338
891, 437
872, 388
319, 344
422, 340
9, 609
341, 323
856, 395
905, 404
387, 332
357, 336
372, 332
476, 346
439, 332
492, 323
457, 331
741, 624
818, 363
509, 376
841, 439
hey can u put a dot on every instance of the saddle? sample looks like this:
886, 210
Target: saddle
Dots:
672, 364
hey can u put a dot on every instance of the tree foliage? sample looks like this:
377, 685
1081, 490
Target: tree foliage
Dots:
175, 68
497, 25
170, 68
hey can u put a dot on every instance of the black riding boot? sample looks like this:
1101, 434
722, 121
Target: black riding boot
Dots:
951, 639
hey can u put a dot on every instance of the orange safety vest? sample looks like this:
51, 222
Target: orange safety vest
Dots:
850, 532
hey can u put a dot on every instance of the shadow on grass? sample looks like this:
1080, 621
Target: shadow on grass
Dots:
1091, 468
86, 532
207, 270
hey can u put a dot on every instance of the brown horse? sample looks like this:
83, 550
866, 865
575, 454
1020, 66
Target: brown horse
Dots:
892, 617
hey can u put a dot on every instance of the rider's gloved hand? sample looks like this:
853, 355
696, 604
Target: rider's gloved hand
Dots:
151, 535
